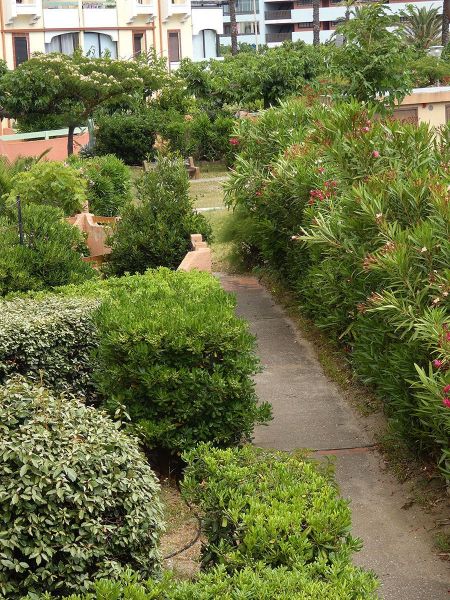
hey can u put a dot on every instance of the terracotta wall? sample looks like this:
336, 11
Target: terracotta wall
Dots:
57, 147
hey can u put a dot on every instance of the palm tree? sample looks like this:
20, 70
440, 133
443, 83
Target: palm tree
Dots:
316, 22
233, 27
422, 26
445, 21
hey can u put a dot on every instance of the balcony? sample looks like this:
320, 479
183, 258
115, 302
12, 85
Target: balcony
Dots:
278, 38
26, 8
142, 8
55, 4
174, 8
278, 15
99, 13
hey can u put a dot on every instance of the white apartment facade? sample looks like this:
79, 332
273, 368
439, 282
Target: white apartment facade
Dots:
273, 22
124, 28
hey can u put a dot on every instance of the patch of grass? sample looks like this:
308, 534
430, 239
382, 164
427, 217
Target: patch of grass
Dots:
211, 169
206, 193
442, 543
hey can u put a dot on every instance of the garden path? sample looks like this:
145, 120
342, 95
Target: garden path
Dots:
310, 412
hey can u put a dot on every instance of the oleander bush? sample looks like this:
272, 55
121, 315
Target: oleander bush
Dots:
155, 230
49, 340
351, 211
51, 254
77, 498
108, 183
174, 353
50, 183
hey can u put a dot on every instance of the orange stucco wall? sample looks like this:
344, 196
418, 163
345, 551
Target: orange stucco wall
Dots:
57, 147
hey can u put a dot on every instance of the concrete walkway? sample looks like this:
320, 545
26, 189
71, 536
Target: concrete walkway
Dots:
310, 412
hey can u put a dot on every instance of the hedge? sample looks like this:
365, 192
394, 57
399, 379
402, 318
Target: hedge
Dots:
172, 350
49, 339
77, 498
275, 527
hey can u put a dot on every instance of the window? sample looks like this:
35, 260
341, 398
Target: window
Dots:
243, 28
138, 43
20, 49
174, 46
99, 44
65, 43
243, 7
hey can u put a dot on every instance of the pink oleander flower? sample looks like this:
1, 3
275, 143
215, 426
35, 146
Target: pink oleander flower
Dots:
446, 401
446, 389
366, 129
437, 364
234, 141
375, 154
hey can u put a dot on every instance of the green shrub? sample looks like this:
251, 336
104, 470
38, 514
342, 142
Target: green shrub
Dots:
50, 182
262, 583
173, 352
51, 254
108, 183
77, 498
268, 508
128, 136
155, 231
49, 340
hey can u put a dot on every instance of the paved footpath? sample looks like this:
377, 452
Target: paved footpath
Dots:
310, 412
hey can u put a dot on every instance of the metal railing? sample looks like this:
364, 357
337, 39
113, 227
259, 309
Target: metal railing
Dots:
278, 37
275, 15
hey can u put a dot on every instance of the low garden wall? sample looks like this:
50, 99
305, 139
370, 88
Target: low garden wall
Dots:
56, 147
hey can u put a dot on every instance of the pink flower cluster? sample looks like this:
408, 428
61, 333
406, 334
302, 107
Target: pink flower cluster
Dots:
234, 141
321, 194
446, 398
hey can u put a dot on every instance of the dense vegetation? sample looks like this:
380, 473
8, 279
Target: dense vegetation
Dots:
77, 498
275, 528
352, 213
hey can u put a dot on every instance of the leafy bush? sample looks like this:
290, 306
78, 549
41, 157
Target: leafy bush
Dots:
262, 583
351, 212
49, 340
173, 352
129, 136
108, 183
266, 508
51, 254
78, 500
155, 231
50, 182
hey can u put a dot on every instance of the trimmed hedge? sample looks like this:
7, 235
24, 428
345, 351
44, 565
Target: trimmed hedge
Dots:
49, 340
77, 498
172, 350
275, 524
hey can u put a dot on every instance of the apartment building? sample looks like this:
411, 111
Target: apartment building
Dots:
124, 28
272, 22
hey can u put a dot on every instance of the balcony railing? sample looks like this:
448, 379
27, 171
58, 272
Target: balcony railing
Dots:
246, 10
277, 15
60, 3
99, 3
278, 37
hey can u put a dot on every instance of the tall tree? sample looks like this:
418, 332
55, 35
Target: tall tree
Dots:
445, 21
422, 27
73, 87
233, 27
316, 22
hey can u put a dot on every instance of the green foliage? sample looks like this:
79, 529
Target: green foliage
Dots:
77, 498
51, 254
49, 183
129, 136
50, 340
429, 70
373, 61
351, 212
422, 26
108, 183
249, 79
266, 508
173, 352
8, 171
71, 88
155, 231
